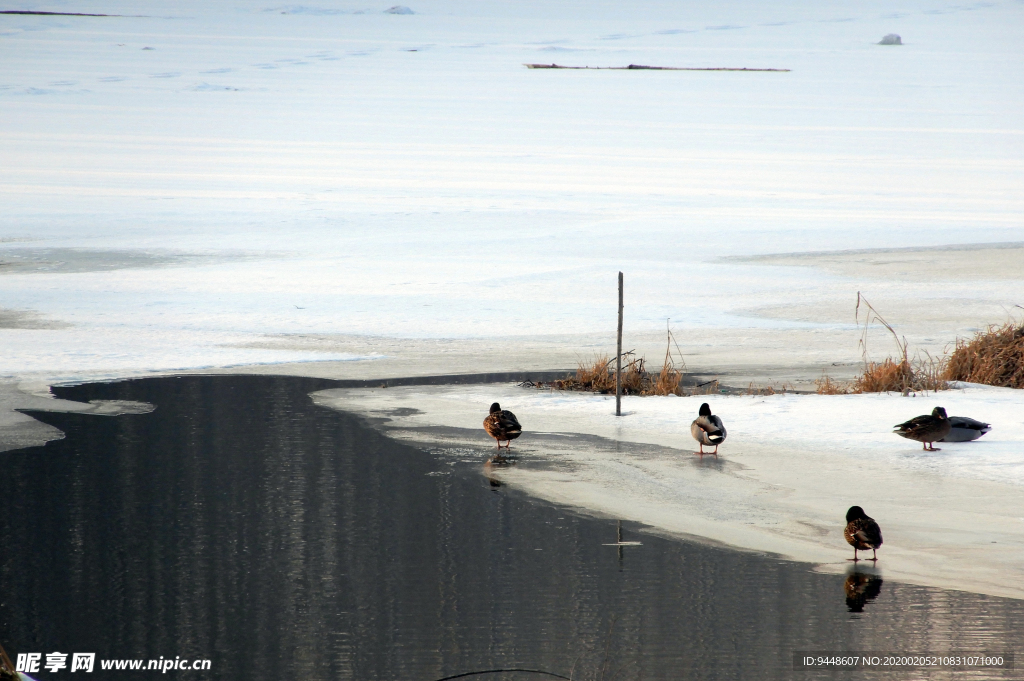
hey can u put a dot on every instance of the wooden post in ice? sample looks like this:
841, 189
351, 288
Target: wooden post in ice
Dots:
618, 358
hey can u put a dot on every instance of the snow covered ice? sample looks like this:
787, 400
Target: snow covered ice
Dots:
345, 190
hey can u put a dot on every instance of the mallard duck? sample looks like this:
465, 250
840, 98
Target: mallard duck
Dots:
707, 429
926, 429
964, 429
862, 532
502, 424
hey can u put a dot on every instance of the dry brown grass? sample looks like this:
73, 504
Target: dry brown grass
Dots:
901, 375
598, 375
898, 376
883, 377
770, 389
669, 381
826, 386
635, 379
993, 357
594, 377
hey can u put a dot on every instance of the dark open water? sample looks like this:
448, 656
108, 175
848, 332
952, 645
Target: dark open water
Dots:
241, 523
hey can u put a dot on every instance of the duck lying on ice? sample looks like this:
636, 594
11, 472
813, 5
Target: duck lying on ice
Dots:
964, 429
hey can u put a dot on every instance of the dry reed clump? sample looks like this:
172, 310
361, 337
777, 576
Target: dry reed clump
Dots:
902, 376
993, 357
891, 375
598, 376
593, 377
826, 386
884, 377
668, 381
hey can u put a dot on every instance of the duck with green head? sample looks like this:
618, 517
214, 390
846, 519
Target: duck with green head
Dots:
707, 429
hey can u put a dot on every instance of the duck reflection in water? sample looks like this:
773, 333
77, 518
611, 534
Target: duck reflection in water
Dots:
501, 460
493, 465
861, 588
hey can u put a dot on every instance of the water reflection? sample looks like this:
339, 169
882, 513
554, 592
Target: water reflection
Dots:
861, 587
502, 460
710, 463
241, 523
490, 468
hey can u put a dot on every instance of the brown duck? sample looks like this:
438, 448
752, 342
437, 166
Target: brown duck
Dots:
862, 532
502, 424
926, 429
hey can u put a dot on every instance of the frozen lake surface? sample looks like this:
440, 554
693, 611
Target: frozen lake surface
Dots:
181, 189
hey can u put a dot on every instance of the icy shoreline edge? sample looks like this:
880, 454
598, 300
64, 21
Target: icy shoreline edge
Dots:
948, 522
772, 490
